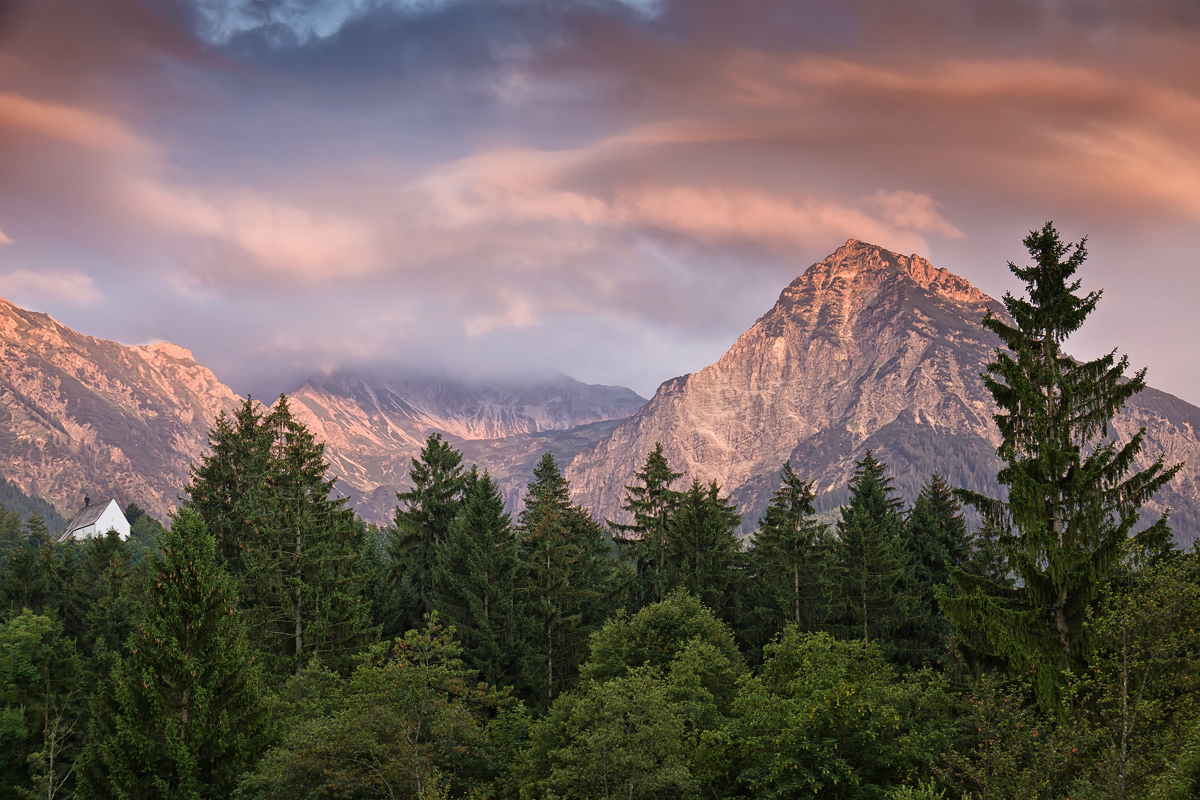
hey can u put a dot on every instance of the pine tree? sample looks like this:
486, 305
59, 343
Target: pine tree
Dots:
475, 578
182, 715
644, 542
423, 517
872, 571
937, 542
229, 484
292, 546
11, 536
562, 585
1073, 497
790, 560
36, 530
702, 545
308, 549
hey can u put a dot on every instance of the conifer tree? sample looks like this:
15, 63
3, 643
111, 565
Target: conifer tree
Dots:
702, 545
229, 484
422, 522
291, 545
11, 535
1073, 496
790, 559
35, 528
475, 578
307, 550
182, 714
937, 542
562, 585
652, 501
872, 571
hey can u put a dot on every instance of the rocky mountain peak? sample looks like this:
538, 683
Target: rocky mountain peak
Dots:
858, 268
867, 349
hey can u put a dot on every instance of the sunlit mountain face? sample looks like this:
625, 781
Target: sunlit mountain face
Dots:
868, 350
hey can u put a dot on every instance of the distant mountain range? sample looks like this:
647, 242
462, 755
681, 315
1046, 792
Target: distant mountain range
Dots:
373, 427
868, 349
80, 415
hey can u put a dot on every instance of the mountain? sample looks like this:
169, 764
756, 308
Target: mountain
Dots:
868, 349
374, 426
83, 415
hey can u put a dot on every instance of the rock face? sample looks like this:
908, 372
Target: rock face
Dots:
80, 414
868, 349
373, 427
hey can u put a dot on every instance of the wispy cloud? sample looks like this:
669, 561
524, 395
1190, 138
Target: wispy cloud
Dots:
36, 288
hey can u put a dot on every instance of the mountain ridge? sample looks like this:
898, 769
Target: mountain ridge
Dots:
866, 349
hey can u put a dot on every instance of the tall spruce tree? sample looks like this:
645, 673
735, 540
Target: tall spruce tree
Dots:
229, 484
312, 551
182, 715
1073, 496
562, 585
651, 501
291, 545
872, 569
702, 546
937, 542
475, 579
790, 560
422, 522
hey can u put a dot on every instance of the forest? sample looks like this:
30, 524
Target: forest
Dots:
268, 643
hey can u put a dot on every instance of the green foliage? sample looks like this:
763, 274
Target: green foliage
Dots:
475, 581
230, 484
11, 535
1073, 497
656, 686
1142, 684
41, 707
789, 564
702, 545
181, 715
143, 536
622, 738
873, 573
644, 543
659, 635
292, 546
1016, 750
422, 523
409, 722
830, 719
936, 540
563, 586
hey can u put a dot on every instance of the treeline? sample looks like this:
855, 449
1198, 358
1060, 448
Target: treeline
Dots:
269, 644
273, 645
25, 507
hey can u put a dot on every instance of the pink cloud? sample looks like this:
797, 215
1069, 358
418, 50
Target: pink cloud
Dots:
29, 287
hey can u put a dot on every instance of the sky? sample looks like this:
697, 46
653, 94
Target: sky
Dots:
611, 189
